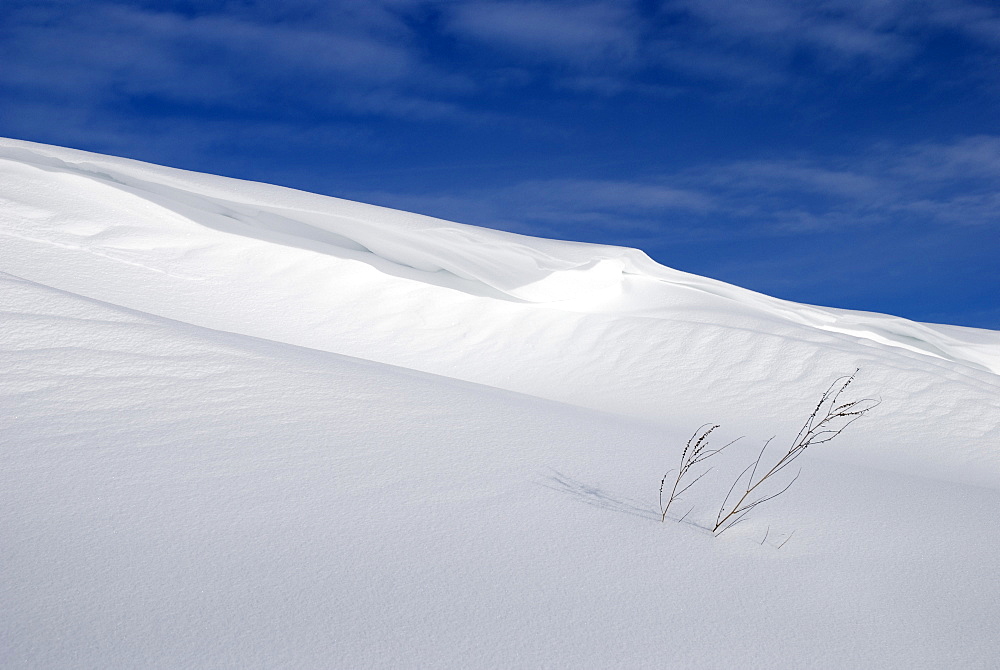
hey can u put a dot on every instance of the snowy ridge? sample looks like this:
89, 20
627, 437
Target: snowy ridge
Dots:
246, 426
529, 269
349, 278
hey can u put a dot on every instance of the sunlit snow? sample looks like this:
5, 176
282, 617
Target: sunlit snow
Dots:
246, 426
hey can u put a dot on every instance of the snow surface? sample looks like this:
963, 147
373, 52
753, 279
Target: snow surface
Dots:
246, 426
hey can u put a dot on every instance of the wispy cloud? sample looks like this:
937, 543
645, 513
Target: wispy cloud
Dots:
425, 60
744, 44
593, 208
970, 158
573, 33
834, 30
310, 58
925, 184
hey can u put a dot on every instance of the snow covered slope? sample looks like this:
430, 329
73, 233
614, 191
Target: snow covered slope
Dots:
246, 426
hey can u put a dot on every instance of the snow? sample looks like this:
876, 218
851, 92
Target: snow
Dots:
246, 426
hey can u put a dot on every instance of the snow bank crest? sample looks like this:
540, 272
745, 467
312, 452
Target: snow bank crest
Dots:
133, 206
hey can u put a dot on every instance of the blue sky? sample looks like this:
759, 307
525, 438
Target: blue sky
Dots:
835, 152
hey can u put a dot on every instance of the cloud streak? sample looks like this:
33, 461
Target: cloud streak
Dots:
926, 184
572, 33
420, 60
109, 53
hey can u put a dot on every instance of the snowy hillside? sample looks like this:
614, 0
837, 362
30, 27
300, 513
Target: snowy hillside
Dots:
246, 426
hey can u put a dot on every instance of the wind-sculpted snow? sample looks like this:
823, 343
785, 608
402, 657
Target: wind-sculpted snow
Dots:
595, 326
534, 271
567, 274
182, 497
220, 446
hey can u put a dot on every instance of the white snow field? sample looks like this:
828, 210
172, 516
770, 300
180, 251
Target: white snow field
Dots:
243, 426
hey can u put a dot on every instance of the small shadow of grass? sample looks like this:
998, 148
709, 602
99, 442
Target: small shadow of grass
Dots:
598, 497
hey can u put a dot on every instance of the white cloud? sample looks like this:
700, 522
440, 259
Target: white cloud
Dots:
768, 35
939, 185
569, 32
107, 52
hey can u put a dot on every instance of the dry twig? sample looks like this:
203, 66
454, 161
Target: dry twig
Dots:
695, 451
827, 421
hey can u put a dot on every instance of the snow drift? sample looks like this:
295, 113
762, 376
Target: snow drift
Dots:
244, 425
